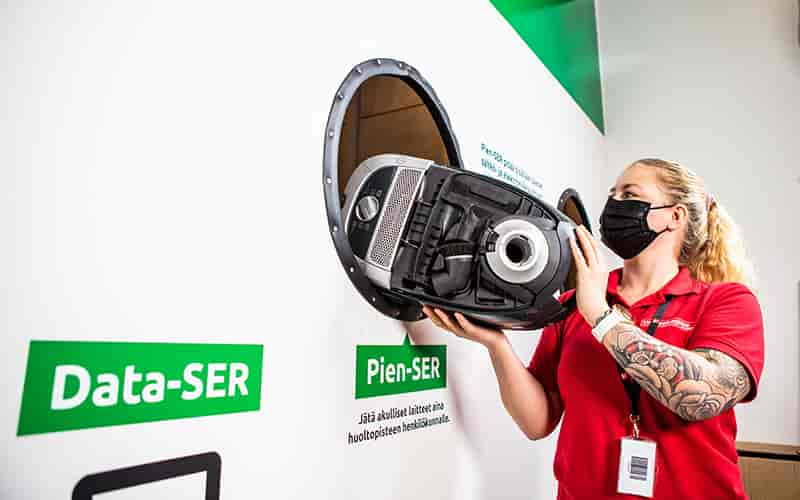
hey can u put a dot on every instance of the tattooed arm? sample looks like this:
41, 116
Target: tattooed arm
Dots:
696, 384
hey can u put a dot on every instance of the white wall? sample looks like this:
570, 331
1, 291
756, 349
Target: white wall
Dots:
716, 86
149, 153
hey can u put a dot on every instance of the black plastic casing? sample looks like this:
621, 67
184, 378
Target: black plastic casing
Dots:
486, 298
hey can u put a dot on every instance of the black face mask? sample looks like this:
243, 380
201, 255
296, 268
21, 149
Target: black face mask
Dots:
624, 229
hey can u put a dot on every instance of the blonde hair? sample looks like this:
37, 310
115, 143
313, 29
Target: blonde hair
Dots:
712, 247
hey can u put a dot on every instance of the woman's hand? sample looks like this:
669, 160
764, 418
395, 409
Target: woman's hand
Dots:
534, 410
463, 328
592, 275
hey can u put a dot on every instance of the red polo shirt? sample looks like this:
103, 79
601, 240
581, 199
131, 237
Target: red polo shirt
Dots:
693, 459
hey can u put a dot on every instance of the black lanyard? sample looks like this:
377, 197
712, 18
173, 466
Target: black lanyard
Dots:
631, 387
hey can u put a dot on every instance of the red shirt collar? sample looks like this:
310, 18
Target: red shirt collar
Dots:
681, 284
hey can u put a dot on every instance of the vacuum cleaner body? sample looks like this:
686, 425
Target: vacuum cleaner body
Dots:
458, 240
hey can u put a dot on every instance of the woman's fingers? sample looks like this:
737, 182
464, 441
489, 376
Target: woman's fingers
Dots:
577, 256
432, 316
470, 328
480, 334
465, 324
462, 327
598, 263
442, 320
445, 318
593, 241
587, 245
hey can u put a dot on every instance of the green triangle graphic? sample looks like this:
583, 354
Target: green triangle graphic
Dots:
563, 35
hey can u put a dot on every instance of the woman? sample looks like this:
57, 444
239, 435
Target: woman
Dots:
677, 320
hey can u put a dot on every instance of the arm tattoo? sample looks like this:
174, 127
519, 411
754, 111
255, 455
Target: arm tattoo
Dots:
696, 384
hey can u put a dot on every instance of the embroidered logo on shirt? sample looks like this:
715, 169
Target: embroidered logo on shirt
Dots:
678, 323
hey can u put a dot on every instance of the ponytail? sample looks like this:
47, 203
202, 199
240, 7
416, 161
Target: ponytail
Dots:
721, 257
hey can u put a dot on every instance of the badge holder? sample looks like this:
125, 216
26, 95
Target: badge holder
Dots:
637, 457
637, 464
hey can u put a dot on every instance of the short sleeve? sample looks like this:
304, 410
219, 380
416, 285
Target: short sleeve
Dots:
544, 362
732, 323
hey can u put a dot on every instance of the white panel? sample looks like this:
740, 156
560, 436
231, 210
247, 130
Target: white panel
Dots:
161, 182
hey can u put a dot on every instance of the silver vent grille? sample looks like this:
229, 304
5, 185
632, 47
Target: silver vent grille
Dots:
394, 215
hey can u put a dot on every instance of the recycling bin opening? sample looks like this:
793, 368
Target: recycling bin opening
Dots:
386, 115
382, 106
411, 227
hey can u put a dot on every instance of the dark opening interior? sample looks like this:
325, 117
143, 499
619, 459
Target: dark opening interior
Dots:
386, 115
382, 106
571, 210
518, 250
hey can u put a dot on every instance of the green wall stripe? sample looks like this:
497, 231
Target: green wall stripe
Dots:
563, 35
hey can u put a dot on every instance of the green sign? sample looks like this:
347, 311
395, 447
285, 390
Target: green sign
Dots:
395, 369
80, 385
563, 35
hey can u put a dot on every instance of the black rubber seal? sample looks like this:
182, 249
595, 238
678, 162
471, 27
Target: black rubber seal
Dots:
383, 301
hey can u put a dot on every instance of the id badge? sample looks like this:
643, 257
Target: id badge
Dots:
637, 467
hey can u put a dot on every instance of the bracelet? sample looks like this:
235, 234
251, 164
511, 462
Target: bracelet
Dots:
601, 317
607, 323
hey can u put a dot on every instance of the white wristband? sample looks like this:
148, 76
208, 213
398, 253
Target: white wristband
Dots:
607, 324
